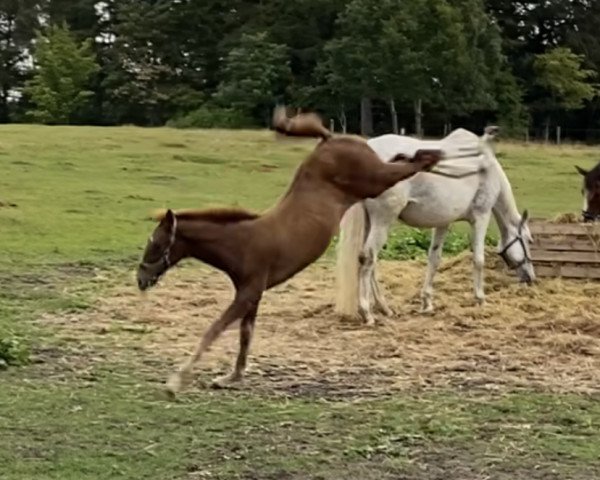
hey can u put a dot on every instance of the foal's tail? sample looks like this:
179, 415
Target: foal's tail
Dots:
302, 125
351, 241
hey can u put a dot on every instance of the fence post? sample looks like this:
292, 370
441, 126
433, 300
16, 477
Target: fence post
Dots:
403, 131
558, 135
527, 135
331, 125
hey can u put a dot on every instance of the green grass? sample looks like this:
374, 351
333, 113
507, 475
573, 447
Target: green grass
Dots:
113, 425
82, 193
80, 199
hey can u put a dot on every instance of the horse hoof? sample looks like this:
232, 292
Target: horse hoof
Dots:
227, 380
176, 382
426, 308
366, 316
386, 311
480, 302
173, 385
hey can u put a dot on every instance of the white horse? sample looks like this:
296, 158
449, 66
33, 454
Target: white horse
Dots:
469, 186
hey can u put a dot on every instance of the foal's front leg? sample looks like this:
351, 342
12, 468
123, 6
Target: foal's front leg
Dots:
242, 304
246, 331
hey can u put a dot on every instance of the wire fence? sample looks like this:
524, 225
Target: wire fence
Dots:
557, 135
435, 127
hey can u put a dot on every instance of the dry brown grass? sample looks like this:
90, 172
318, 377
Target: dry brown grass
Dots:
545, 337
568, 217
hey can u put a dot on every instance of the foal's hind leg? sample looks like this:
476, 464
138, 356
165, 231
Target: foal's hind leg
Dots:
433, 262
244, 301
246, 331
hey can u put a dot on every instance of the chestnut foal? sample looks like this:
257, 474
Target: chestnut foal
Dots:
258, 252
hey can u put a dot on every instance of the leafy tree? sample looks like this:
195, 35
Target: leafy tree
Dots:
445, 54
18, 22
136, 77
166, 55
81, 16
255, 73
63, 70
352, 63
534, 27
513, 115
453, 59
584, 39
561, 73
304, 26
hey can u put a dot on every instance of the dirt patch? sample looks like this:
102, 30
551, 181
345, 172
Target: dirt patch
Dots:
545, 337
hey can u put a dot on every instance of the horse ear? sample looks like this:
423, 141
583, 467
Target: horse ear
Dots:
524, 219
169, 219
581, 170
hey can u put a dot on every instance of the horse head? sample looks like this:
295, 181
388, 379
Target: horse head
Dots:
591, 193
514, 249
159, 254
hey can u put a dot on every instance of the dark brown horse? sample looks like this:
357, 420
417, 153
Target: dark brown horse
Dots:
591, 193
258, 252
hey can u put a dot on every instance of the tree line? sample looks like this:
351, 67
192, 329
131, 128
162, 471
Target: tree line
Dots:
370, 65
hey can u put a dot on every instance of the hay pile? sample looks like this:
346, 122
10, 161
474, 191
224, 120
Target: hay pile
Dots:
567, 218
546, 337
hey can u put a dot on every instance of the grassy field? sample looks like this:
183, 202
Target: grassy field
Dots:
73, 203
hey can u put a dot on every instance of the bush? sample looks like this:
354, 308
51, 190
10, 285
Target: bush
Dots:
408, 244
12, 351
212, 117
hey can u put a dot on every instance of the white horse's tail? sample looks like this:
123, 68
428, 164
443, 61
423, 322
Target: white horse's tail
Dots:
351, 241
490, 133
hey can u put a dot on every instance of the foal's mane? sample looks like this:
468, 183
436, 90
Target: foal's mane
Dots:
216, 215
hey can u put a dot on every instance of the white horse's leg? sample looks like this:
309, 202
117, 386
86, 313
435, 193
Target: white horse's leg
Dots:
376, 238
380, 302
433, 262
480, 226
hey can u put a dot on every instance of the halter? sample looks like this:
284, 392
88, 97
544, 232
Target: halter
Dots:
504, 253
164, 262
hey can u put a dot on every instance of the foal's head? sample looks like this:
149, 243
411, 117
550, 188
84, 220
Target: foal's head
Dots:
591, 193
161, 252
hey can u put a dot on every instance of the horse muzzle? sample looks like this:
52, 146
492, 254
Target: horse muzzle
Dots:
145, 279
526, 277
146, 283
589, 217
